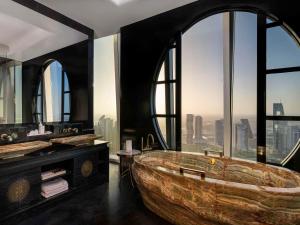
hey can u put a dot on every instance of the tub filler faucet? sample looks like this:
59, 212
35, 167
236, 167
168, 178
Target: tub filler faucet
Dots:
148, 145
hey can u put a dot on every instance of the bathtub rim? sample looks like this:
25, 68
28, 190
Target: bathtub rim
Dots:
228, 184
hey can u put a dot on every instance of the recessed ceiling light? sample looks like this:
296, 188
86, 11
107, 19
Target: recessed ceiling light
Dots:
121, 2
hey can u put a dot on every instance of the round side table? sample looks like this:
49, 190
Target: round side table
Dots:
126, 160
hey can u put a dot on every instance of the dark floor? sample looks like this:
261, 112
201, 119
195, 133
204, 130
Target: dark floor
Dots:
114, 203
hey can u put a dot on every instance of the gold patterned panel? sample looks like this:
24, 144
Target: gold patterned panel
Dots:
87, 168
18, 190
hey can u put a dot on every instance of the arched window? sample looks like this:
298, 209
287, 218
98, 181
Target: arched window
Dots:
53, 95
225, 61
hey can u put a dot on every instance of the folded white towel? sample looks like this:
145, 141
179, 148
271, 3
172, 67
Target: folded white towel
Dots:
52, 193
54, 184
56, 189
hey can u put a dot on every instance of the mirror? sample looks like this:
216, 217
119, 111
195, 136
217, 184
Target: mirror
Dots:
30, 89
53, 94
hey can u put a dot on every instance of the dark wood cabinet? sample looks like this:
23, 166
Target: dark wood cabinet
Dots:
19, 190
20, 179
85, 168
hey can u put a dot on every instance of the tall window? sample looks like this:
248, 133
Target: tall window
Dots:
244, 86
106, 92
53, 95
202, 86
10, 91
221, 69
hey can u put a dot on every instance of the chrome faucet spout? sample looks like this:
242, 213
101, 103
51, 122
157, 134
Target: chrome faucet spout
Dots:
148, 144
148, 140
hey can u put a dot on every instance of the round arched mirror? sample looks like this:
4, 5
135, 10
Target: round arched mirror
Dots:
52, 101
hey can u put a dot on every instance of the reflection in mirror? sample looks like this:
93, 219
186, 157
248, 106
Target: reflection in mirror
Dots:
27, 39
53, 95
10, 89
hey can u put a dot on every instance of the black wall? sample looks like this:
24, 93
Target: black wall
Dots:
74, 60
144, 43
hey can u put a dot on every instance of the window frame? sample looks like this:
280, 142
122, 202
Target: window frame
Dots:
262, 73
173, 129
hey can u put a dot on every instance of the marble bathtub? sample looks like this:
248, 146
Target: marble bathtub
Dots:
188, 189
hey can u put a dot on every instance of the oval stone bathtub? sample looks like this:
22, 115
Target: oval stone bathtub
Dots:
188, 189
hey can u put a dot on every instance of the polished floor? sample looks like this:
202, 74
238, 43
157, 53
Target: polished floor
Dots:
115, 203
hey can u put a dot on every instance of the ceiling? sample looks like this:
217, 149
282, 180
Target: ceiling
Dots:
29, 34
106, 17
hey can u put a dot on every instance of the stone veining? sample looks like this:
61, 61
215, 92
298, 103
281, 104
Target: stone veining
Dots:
233, 192
22, 148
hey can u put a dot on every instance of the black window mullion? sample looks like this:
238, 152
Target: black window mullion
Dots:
165, 82
261, 87
42, 95
15, 112
273, 24
283, 118
62, 95
283, 70
165, 115
178, 92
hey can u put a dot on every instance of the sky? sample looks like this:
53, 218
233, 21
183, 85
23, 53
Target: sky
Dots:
283, 51
202, 70
104, 78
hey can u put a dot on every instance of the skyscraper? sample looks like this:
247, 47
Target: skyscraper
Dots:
189, 128
198, 129
294, 136
219, 131
243, 133
278, 109
280, 130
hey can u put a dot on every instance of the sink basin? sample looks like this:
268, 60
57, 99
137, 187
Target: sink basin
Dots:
13, 150
75, 140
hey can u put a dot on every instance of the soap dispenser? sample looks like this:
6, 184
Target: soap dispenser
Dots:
41, 128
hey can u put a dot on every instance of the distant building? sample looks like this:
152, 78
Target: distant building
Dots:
294, 136
108, 129
189, 128
243, 133
278, 109
219, 132
280, 130
198, 129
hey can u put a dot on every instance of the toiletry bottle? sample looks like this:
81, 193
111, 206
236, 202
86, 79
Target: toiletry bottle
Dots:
41, 128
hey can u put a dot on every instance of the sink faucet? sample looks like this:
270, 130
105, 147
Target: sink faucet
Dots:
70, 130
9, 138
148, 145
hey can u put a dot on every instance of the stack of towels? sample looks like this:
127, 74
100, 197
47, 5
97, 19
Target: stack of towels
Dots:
54, 187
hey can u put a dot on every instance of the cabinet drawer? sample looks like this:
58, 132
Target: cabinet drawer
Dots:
85, 167
19, 189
